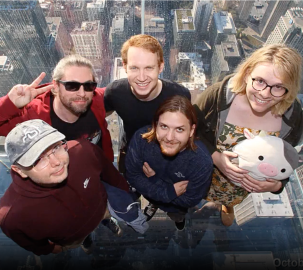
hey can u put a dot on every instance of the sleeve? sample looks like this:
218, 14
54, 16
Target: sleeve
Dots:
109, 173
108, 98
199, 181
284, 182
39, 247
152, 187
206, 110
10, 115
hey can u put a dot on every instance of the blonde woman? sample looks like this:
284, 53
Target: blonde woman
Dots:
261, 95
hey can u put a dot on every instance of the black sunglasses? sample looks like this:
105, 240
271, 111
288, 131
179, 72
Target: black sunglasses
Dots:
75, 86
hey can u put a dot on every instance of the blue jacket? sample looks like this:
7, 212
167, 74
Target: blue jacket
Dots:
194, 166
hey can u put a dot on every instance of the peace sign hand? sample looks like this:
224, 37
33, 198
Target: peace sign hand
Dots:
22, 94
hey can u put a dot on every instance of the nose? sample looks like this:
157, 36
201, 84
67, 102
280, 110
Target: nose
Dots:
170, 135
53, 160
266, 92
142, 76
81, 91
268, 169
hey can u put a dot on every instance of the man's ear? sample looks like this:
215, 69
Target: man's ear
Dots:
125, 67
193, 127
161, 68
19, 171
55, 89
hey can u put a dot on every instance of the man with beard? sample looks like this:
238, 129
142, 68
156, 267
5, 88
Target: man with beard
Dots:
166, 164
74, 106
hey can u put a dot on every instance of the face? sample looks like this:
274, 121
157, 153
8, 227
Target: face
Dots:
261, 102
173, 132
75, 102
54, 173
142, 72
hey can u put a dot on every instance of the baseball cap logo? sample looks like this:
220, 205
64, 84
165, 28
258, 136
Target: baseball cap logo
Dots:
30, 133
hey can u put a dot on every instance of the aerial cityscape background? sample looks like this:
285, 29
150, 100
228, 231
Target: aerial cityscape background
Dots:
203, 41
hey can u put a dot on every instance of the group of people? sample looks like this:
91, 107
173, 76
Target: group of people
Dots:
175, 154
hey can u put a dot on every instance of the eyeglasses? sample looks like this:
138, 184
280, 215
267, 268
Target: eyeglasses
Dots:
275, 90
58, 151
75, 86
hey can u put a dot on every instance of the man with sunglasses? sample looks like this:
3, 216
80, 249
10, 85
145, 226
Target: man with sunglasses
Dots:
53, 203
73, 105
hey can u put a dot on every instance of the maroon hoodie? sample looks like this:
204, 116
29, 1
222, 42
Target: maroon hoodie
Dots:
32, 215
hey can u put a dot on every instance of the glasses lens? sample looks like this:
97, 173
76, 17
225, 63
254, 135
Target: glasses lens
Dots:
41, 163
258, 85
60, 150
90, 86
278, 91
72, 86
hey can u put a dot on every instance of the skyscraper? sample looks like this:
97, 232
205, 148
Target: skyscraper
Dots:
244, 9
263, 208
222, 25
274, 11
289, 30
184, 30
202, 11
24, 34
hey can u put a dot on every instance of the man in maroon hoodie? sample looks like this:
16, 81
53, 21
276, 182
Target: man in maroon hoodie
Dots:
56, 198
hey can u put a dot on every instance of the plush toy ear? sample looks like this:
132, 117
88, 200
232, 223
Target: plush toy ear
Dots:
248, 134
262, 133
298, 148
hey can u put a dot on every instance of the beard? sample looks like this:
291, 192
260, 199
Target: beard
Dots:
74, 108
169, 152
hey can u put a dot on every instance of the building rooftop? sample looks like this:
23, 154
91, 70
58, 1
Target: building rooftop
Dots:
87, 28
297, 14
53, 24
97, 4
187, 56
230, 49
224, 23
185, 22
118, 23
119, 71
258, 10
5, 64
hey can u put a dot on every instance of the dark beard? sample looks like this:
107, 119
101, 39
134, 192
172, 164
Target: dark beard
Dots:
73, 109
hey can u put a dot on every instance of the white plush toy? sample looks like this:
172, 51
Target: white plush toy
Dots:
266, 156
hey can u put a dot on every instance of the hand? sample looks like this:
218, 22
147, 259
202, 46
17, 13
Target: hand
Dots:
180, 187
223, 163
253, 185
149, 172
57, 249
22, 94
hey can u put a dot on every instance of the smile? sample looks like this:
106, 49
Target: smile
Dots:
59, 172
260, 101
142, 84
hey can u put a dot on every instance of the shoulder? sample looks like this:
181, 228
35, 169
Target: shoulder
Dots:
44, 98
139, 132
116, 86
170, 85
99, 91
202, 152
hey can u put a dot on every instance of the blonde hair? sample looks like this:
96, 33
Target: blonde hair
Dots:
288, 63
146, 42
72, 60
